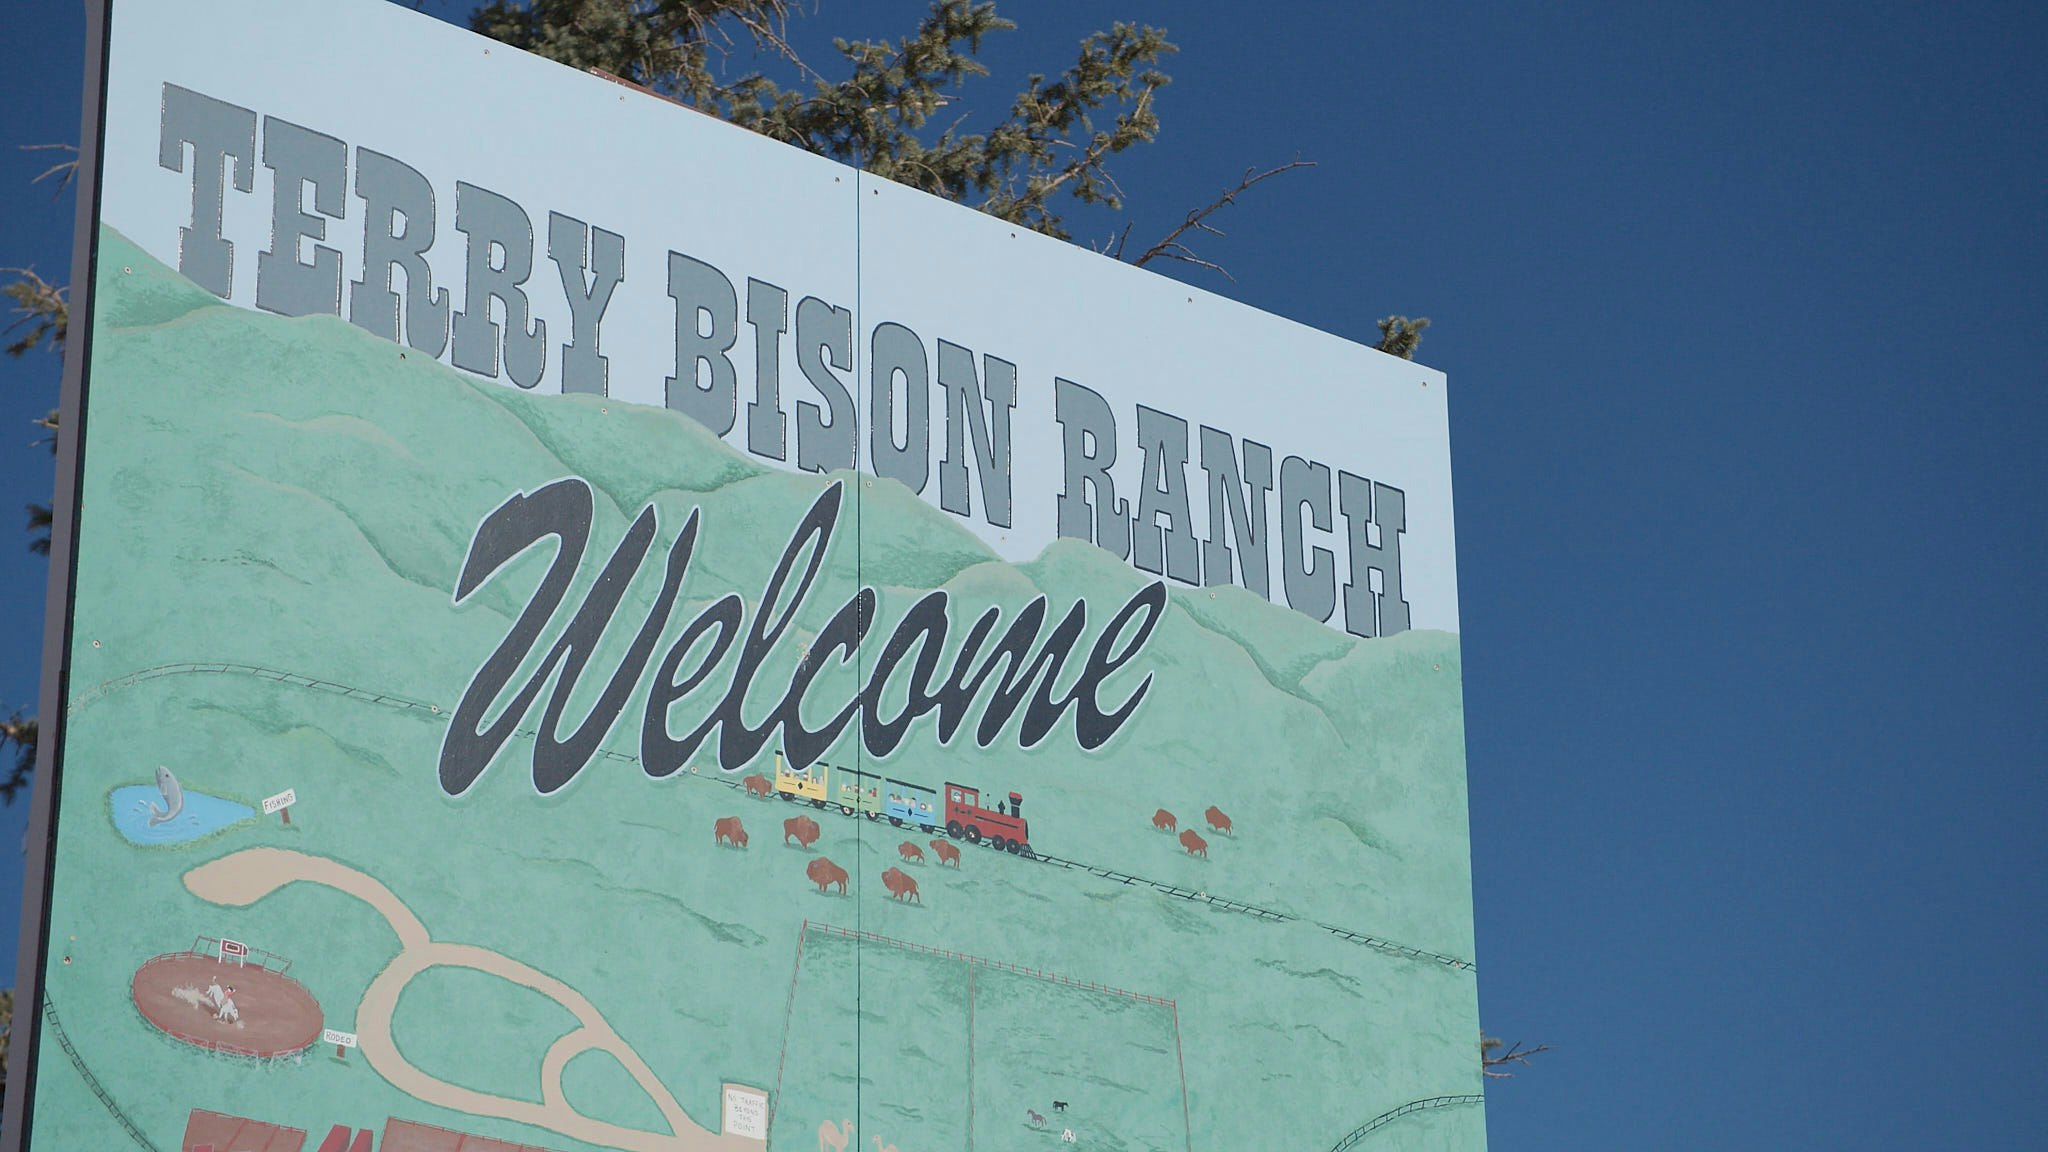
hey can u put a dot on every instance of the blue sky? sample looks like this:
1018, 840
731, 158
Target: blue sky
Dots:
1742, 311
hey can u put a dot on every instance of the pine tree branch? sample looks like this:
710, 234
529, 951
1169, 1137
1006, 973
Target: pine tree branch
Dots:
1099, 149
39, 524
1400, 336
39, 305
21, 731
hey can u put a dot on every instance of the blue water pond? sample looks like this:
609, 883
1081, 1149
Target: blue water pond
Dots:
201, 816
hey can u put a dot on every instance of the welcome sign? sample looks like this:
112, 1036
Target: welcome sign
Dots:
757, 656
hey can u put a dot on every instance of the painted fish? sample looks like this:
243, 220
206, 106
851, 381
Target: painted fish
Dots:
174, 797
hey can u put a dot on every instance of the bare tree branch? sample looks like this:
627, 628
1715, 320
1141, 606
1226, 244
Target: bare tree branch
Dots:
1171, 248
1493, 1053
776, 37
68, 169
1114, 249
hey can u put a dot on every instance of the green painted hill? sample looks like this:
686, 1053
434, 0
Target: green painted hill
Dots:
297, 495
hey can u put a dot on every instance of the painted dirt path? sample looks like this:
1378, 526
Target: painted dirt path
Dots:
243, 878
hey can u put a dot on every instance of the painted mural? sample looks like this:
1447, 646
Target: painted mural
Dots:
1240, 921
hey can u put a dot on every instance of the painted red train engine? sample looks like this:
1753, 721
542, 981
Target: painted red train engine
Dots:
1003, 827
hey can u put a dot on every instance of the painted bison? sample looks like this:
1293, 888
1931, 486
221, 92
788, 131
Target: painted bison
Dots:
728, 831
801, 829
1217, 820
824, 873
909, 852
1195, 845
1164, 821
948, 853
900, 885
759, 785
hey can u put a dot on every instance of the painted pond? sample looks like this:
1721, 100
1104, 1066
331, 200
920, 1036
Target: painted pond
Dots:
202, 815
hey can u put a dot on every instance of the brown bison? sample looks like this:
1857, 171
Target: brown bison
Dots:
948, 853
1218, 820
759, 785
900, 885
802, 829
824, 873
910, 851
1195, 845
728, 830
1164, 821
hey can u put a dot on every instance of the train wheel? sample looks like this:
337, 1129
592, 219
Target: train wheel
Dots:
1016, 847
973, 834
846, 809
896, 821
872, 815
954, 830
997, 842
818, 804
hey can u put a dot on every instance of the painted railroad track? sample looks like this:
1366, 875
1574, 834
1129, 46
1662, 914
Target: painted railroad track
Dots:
91, 1081
1410, 1108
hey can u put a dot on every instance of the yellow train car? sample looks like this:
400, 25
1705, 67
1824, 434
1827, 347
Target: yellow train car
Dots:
806, 785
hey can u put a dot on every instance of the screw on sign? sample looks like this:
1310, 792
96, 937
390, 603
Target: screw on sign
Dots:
282, 803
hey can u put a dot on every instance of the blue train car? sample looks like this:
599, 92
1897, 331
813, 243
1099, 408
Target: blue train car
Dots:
914, 804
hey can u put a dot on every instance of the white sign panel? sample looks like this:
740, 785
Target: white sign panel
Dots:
343, 1039
671, 259
746, 1112
284, 799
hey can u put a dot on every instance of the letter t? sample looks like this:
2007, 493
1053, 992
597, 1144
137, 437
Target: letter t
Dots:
218, 132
